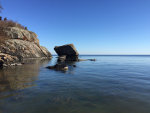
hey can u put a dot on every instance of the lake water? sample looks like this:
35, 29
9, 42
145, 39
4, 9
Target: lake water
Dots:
111, 84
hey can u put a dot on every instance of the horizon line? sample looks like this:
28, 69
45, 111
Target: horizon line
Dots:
111, 54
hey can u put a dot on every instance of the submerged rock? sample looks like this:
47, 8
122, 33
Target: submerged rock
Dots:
74, 65
92, 59
82, 60
87, 60
67, 50
59, 67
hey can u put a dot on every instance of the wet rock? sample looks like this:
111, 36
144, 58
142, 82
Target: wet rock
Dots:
12, 64
59, 67
92, 59
16, 64
6, 60
72, 58
82, 60
61, 58
19, 64
87, 60
74, 65
5, 65
68, 50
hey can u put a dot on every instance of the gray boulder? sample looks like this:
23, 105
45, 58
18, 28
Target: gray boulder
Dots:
68, 50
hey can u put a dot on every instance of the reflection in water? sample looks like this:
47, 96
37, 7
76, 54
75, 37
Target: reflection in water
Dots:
109, 85
59, 66
72, 66
20, 77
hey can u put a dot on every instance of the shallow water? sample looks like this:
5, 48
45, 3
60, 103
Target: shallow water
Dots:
111, 84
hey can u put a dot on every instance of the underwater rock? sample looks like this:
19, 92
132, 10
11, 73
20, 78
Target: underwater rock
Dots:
58, 67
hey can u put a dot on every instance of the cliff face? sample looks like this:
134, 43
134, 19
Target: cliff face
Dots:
21, 43
21, 34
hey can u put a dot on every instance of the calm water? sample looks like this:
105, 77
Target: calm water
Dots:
112, 84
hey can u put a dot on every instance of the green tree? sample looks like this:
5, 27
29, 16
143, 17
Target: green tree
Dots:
26, 28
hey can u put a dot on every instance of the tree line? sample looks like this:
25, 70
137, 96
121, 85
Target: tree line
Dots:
9, 23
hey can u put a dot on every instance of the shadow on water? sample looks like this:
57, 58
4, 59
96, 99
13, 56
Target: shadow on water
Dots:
20, 77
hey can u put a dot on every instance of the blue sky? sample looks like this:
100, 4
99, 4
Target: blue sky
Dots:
94, 26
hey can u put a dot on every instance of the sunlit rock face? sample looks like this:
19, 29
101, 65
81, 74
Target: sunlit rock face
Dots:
23, 49
21, 34
21, 43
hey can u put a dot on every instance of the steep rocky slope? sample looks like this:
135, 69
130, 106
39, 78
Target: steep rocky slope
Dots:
18, 44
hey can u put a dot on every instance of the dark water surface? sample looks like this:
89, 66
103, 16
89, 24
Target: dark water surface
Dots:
112, 84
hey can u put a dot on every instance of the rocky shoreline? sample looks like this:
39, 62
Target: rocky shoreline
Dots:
17, 44
66, 54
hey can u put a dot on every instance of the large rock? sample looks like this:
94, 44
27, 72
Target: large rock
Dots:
23, 49
68, 50
21, 43
21, 34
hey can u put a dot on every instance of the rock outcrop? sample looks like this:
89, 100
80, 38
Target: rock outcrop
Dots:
19, 44
67, 50
21, 34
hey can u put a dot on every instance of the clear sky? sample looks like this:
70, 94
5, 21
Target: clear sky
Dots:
93, 26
